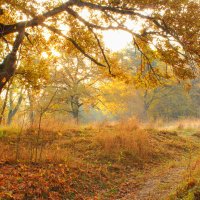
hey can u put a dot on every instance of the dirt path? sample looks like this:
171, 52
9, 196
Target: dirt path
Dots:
160, 183
159, 186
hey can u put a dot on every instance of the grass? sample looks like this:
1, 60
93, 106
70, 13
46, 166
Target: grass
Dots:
6, 131
189, 189
99, 155
124, 141
179, 125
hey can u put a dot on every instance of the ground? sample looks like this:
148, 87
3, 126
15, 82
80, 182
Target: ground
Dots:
99, 162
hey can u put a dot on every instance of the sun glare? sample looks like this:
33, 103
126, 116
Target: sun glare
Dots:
116, 40
55, 52
44, 55
64, 28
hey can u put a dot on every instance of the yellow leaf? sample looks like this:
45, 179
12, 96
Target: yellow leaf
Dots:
3, 80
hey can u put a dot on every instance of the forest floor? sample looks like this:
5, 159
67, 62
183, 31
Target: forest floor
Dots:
164, 182
91, 163
157, 185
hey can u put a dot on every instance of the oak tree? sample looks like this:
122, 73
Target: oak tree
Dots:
170, 31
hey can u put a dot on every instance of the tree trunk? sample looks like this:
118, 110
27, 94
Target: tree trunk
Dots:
13, 111
75, 108
8, 66
4, 103
31, 111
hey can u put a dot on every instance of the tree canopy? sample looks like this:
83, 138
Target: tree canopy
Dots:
170, 31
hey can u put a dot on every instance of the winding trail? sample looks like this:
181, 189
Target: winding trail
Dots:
160, 183
159, 186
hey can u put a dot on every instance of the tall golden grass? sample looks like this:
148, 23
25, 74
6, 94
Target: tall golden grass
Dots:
125, 137
187, 123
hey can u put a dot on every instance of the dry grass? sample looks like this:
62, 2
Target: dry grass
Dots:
23, 143
155, 124
188, 124
126, 140
123, 139
54, 125
118, 149
181, 124
118, 140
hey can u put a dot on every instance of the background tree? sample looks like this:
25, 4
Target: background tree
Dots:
77, 82
12, 109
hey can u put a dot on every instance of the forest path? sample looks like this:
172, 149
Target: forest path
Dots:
159, 186
160, 182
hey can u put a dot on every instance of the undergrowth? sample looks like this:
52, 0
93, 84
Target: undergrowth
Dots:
86, 159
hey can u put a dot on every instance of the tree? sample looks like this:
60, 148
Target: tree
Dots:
13, 108
174, 25
195, 95
12, 100
172, 102
76, 80
153, 96
4, 103
118, 99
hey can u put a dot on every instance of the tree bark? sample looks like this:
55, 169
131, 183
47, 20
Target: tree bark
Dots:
8, 66
13, 111
4, 103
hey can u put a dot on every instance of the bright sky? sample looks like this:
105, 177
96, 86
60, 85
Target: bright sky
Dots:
116, 40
